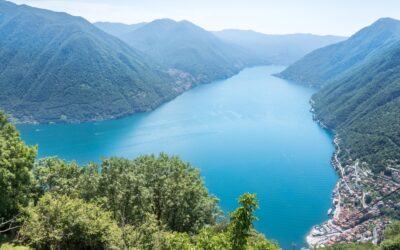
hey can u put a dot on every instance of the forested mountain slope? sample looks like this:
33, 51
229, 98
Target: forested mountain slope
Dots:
186, 50
55, 67
363, 105
322, 65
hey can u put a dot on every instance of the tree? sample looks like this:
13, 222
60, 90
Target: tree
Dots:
242, 221
174, 241
210, 239
179, 197
56, 176
89, 182
61, 222
166, 187
392, 237
368, 199
124, 192
258, 242
16, 180
391, 244
66, 178
146, 236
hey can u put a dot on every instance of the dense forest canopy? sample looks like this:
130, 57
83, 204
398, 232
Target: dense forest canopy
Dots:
321, 66
60, 68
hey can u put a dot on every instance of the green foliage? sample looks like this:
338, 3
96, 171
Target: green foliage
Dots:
7, 243
56, 176
163, 186
210, 239
258, 241
368, 199
185, 47
135, 191
179, 198
60, 68
392, 237
69, 223
16, 161
172, 241
242, 221
393, 230
148, 235
391, 244
146, 203
13, 247
321, 66
124, 191
363, 107
89, 182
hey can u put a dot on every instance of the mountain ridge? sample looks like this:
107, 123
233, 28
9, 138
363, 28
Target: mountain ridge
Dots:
363, 106
185, 49
320, 66
55, 67
276, 49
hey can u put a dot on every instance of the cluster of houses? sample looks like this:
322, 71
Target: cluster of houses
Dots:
361, 200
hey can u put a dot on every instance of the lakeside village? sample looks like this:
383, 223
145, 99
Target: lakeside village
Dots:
361, 201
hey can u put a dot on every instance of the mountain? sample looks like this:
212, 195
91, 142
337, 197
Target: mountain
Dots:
363, 106
186, 50
55, 67
118, 29
276, 49
322, 65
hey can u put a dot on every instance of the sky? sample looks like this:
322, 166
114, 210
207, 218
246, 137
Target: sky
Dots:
335, 17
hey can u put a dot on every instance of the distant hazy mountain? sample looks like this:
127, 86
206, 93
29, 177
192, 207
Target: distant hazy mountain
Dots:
186, 49
118, 29
363, 105
56, 67
324, 64
276, 49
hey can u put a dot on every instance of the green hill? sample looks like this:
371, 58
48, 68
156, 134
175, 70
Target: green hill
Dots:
186, 49
322, 65
363, 105
55, 67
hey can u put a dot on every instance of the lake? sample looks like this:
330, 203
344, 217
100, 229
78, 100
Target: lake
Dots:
250, 133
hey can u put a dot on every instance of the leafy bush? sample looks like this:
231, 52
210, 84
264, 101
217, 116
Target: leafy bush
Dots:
16, 162
60, 222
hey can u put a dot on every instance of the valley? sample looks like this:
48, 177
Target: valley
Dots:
242, 135
264, 117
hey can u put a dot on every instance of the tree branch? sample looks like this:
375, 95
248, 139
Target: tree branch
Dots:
10, 223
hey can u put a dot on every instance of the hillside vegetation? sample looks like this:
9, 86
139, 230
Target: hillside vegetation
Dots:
58, 68
363, 106
320, 66
184, 49
359, 99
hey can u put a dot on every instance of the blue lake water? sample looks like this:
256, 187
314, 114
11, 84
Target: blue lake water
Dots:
250, 133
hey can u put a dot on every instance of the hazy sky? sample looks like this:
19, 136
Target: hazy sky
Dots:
339, 17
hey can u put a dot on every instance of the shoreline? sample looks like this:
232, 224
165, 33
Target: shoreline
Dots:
352, 219
31, 121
